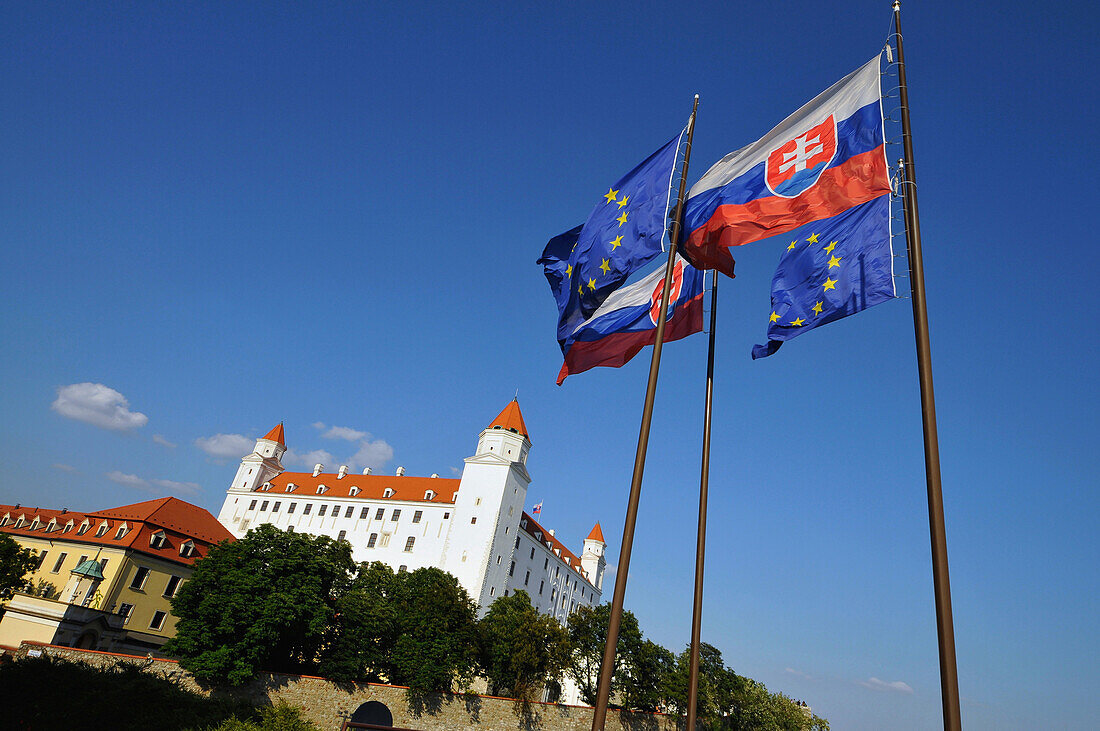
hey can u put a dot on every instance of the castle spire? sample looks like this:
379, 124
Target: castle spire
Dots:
511, 420
276, 434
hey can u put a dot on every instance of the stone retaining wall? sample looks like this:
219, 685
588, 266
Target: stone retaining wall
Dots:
329, 704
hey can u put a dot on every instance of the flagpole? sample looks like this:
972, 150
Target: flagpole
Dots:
607, 666
701, 541
949, 678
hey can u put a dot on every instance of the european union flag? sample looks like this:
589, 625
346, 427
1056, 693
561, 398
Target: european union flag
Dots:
622, 234
834, 268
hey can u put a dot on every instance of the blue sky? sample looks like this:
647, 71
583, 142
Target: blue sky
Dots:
232, 215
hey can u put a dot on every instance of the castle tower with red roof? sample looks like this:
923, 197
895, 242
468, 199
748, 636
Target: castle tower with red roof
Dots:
592, 560
263, 463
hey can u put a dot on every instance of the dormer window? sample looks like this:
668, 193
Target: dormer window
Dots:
122, 531
158, 540
19, 522
52, 526
429, 495
102, 531
388, 492
5, 519
267, 487
83, 528
353, 491
322, 489
291, 487
68, 526
538, 535
34, 524
523, 524
187, 548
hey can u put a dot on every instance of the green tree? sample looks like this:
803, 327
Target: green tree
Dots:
365, 627
644, 689
15, 563
436, 647
587, 636
264, 602
521, 649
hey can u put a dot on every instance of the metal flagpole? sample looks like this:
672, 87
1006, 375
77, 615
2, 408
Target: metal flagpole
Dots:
701, 541
949, 677
607, 666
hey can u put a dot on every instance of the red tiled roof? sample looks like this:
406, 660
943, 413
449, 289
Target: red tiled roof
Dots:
276, 435
511, 419
543, 536
596, 534
178, 520
371, 487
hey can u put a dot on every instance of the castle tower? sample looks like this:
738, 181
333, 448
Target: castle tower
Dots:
592, 560
256, 469
488, 505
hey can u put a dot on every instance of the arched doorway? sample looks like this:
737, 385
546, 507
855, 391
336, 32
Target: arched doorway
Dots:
374, 713
87, 641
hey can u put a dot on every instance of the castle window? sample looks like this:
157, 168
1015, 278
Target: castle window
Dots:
385, 540
321, 489
252, 505
417, 516
122, 530
371, 541
306, 508
41, 560
498, 560
349, 511
473, 520
353, 492
291, 487
138, 582
512, 569
387, 492
492, 590
158, 620
378, 515
517, 542
124, 611
523, 524
290, 529
172, 586
341, 535
409, 544
395, 514
464, 557
321, 510
102, 530
477, 501
402, 569
446, 515
364, 513
526, 578
335, 511
263, 505
545, 564
34, 524
541, 584
68, 527
187, 548
57, 564
275, 507
429, 495
290, 508
538, 535
157, 540
532, 553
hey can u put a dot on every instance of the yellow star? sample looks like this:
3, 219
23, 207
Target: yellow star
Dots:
812, 239
817, 308
829, 284
592, 284
798, 322
621, 219
834, 262
622, 203
568, 270
773, 317
605, 266
791, 247
830, 247
580, 289
616, 242
610, 195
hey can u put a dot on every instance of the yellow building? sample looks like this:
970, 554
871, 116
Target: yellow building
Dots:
104, 580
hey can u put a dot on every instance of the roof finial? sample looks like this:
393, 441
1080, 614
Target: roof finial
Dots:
516, 397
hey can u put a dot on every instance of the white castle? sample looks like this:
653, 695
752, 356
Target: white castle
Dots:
473, 527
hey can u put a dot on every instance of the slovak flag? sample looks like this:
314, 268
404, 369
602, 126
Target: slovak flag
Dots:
626, 322
824, 159
537, 509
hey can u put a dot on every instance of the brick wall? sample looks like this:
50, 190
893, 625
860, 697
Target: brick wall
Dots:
329, 704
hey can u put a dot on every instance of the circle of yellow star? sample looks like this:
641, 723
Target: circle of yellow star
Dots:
773, 317
817, 308
610, 195
592, 284
798, 322
605, 267
568, 270
616, 242
812, 239
622, 203
791, 247
830, 284
834, 262
621, 219
830, 247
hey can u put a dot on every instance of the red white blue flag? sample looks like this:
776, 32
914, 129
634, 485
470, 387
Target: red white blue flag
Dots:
824, 159
626, 322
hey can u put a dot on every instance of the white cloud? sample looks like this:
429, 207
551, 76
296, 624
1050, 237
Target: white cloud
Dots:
371, 454
455, 470
318, 425
98, 405
128, 480
896, 686
226, 446
799, 673
187, 488
157, 438
346, 433
308, 459
64, 467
